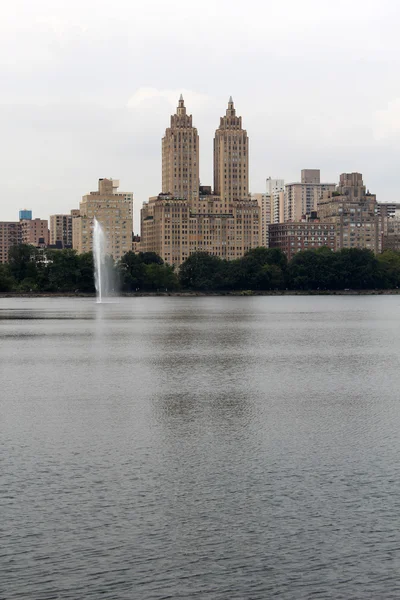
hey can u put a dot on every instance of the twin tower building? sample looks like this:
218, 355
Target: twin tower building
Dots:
187, 217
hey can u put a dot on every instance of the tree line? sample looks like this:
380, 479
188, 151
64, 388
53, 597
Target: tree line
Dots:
260, 269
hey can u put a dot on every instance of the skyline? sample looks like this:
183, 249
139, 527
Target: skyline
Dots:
82, 100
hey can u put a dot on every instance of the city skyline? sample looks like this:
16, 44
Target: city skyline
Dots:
81, 99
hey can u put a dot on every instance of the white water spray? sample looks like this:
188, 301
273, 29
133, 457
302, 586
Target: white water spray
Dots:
99, 255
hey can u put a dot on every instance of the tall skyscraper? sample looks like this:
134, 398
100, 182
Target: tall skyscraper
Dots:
231, 158
177, 223
180, 156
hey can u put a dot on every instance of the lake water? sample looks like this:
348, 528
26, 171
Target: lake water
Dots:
208, 448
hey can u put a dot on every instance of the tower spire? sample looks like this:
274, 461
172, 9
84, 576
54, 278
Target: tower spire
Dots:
231, 112
181, 106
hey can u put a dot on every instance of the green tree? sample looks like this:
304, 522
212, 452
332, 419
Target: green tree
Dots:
7, 283
85, 281
131, 270
389, 269
159, 277
22, 262
202, 271
63, 270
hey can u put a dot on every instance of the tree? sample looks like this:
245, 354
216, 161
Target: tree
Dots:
201, 271
159, 277
131, 271
389, 269
63, 270
7, 283
22, 262
85, 281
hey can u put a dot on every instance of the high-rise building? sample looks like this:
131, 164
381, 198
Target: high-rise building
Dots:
354, 212
34, 232
114, 212
61, 230
176, 225
9, 236
231, 158
180, 156
301, 198
264, 202
276, 191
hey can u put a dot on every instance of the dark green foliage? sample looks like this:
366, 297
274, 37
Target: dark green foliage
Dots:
202, 271
7, 283
145, 271
260, 269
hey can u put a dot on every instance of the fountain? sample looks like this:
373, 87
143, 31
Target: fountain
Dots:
100, 266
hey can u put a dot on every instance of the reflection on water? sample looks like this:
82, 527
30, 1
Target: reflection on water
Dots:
200, 447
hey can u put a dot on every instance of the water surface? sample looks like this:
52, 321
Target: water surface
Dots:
210, 448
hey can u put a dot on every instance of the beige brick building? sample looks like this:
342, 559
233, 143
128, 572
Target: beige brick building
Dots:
34, 231
61, 230
354, 212
180, 156
174, 226
231, 157
114, 212
264, 202
301, 199
9, 236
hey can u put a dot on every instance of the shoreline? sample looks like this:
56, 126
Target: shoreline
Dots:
244, 293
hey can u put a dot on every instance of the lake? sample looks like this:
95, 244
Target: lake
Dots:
210, 448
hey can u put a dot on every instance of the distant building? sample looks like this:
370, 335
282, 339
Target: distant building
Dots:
389, 220
180, 156
231, 158
113, 210
34, 232
9, 236
276, 192
303, 235
354, 212
61, 230
135, 243
302, 198
181, 220
264, 202
25, 215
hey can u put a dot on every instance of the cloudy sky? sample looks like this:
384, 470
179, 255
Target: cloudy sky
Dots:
87, 88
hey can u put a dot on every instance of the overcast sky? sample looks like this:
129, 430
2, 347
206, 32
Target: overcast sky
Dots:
87, 88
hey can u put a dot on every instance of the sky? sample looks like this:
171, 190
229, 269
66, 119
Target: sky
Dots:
87, 89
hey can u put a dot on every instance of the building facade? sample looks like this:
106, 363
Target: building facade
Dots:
305, 235
34, 232
9, 236
301, 199
61, 230
231, 158
113, 210
224, 225
180, 156
276, 192
264, 202
354, 212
